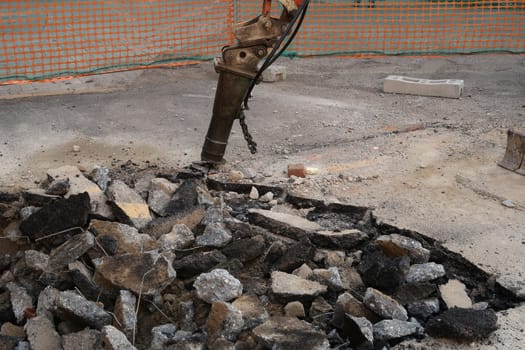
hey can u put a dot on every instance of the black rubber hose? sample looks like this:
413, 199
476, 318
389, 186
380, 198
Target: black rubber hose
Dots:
272, 57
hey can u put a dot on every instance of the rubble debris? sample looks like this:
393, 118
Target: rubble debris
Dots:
423, 309
128, 205
124, 238
217, 285
384, 305
37, 197
254, 193
267, 197
58, 218
20, 300
303, 271
393, 329
85, 339
359, 330
47, 302
462, 324
59, 187
187, 310
245, 249
224, 321
359, 280
180, 237
454, 295
41, 334
425, 272
161, 335
147, 273
100, 175
11, 330
395, 245
290, 286
287, 225
74, 306
160, 192
351, 279
329, 277
347, 304
194, 264
184, 200
345, 239
382, 272
294, 256
289, 333
125, 316
70, 250
252, 310
294, 309
214, 235
113, 339
409, 293
80, 184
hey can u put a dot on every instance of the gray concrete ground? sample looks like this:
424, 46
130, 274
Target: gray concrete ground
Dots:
427, 164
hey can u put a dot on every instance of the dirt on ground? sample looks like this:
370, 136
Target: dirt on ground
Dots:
424, 163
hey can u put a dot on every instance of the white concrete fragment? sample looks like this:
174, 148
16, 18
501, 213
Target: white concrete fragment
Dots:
115, 340
452, 88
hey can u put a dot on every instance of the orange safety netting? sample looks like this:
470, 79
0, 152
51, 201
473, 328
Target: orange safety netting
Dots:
45, 39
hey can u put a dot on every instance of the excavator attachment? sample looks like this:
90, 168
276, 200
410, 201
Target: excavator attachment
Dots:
514, 158
261, 39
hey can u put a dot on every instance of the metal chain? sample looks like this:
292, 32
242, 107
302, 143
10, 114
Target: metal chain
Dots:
252, 146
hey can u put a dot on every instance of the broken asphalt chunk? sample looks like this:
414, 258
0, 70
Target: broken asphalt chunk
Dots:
87, 338
128, 205
41, 334
384, 305
194, 264
288, 225
59, 218
382, 272
38, 197
253, 311
282, 333
126, 319
70, 250
113, 339
127, 239
80, 184
20, 300
217, 285
71, 305
425, 272
345, 239
147, 273
224, 321
160, 192
393, 329
463, 324
395, 245
290, 286
184, 200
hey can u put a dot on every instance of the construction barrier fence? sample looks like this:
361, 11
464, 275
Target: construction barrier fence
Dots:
44, 39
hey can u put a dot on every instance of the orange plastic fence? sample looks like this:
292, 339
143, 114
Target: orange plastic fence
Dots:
53, 38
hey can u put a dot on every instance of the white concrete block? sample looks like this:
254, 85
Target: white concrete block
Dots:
451, 88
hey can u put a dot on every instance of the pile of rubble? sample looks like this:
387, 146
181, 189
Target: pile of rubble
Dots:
190, 261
